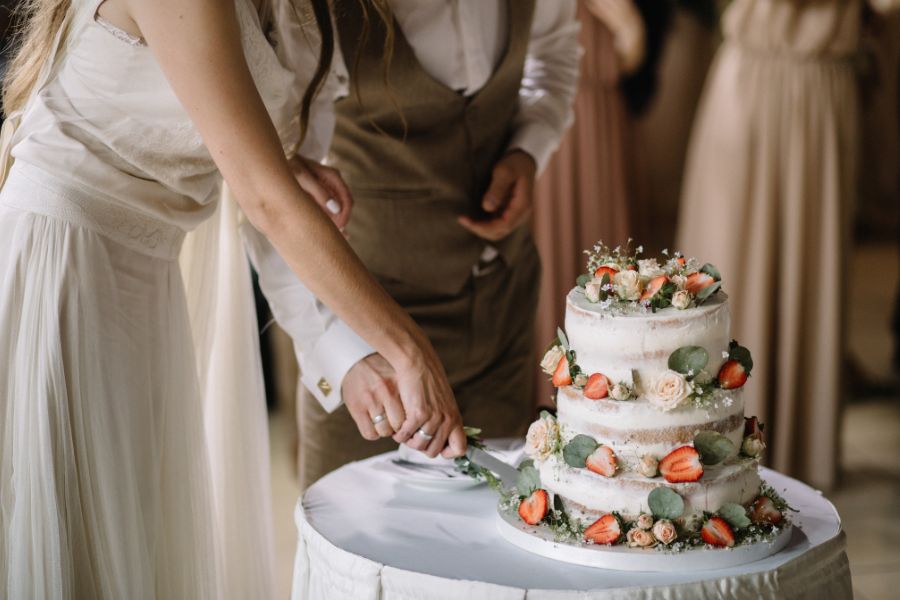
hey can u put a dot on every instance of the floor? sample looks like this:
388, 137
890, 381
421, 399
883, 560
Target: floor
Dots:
869, 496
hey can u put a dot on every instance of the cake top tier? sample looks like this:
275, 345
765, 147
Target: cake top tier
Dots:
622, 281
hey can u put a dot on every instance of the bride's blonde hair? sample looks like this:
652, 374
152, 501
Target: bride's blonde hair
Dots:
41, 20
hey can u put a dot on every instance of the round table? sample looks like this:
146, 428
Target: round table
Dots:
363, 534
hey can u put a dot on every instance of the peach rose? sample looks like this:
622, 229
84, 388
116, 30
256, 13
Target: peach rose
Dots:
551, 359
542, 438
640, 538
681, 299
649, 466
627, 285
645, 522
669, 391
664, 531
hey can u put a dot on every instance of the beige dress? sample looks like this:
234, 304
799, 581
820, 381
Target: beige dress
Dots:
767, 197
584, 194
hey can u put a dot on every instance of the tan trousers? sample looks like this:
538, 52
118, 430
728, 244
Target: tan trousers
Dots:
484, 336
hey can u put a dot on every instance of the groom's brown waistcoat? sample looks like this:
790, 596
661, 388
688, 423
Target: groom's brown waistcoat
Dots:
416, 154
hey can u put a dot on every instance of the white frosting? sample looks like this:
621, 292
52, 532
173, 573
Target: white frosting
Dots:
627, 493
635, 427
619, 344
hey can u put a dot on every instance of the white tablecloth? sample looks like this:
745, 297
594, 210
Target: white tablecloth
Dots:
363, 536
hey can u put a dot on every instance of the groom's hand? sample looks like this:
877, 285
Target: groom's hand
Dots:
509, 198
327, 188
369, 390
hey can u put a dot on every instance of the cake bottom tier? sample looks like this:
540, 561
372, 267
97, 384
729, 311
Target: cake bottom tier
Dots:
587, 495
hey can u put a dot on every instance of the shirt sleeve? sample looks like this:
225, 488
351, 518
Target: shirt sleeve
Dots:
326, 347
549, 80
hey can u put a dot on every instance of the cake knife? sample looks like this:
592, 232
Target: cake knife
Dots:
506, 473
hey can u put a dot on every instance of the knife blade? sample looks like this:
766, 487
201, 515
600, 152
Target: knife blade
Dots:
506, 473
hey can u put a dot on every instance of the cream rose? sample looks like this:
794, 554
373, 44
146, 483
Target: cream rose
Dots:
649, 466
664, 531
627, 285
645, 521
620, 391
753, 446
681, 299
649, 268
669, 391
640, 538
592, 290
679, 280
542, 438
551, 359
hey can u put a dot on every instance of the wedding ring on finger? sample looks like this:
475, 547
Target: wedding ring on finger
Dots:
425, 436
378, 418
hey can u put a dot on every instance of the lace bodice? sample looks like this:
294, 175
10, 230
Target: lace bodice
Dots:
108, 119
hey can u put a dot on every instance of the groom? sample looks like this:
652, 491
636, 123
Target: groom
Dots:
440, 150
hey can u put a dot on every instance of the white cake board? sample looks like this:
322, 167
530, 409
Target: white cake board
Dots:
540, 540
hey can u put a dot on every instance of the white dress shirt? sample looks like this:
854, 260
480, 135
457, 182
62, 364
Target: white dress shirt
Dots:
459, 43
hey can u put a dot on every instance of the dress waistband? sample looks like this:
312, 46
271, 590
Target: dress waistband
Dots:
71, 202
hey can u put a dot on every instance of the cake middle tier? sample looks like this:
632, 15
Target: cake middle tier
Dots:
623, 345
588, 495
635, 428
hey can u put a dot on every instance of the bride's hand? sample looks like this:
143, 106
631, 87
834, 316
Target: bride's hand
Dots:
327, 188
433, 424
627, 27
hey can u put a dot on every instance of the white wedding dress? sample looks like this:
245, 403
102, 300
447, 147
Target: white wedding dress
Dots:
133, 444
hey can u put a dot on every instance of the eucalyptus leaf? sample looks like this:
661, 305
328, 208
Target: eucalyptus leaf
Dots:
711, 270
582, 281
665, 503
529, 480
563, 340
528, 462
577, 451
713, 447
735, 514
707, 292
689, 360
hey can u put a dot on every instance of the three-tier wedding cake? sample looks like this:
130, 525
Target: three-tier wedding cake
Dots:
650, 446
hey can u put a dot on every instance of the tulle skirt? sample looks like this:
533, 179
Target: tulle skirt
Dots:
106, 485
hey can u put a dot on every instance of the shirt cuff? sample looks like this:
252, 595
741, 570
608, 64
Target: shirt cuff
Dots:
538, 140
324, 369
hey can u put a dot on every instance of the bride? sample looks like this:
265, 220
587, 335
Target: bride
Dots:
122, 114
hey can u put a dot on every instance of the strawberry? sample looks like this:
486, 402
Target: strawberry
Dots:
602, 461
732, 375
605, 270
764, 511
605, 530
681, 465
534, 508
597, 387
654, 286
717, 532
680, 260
697, 282
563, 375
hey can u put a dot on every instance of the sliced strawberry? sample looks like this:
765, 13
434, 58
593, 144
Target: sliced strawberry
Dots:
681, 465
697, 282
654, 286
605, 270
563, 375
534, 508
602, 461
732, 375
764, 511
717, 532
597, 387
605, 530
